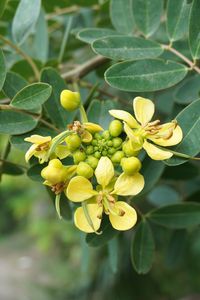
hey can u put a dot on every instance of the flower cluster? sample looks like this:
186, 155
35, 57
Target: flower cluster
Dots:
105, 162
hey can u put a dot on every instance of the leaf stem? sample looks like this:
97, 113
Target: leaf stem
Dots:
57, 205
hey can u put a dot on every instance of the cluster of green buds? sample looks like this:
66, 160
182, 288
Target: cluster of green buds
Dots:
105, 161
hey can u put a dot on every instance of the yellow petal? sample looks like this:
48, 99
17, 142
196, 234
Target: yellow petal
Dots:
125, 221
80, 189
86, 137
42, 156
81, 222
62, 151
104, 171
38, 139
136, 141
125, 116
143, 109
31, 151
156, 153
173, 140
128, 185
92, 127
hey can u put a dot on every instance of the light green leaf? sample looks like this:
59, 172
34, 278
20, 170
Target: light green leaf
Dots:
41, 34
89, 35
32, 96
147, 14
58, 115
177, 19
121, 15
188, 91
194, 29
25, 19
177, 216
142, 249
145, 75
12, 122
189, 121
126, 48
2, 6
13, 84
2, 69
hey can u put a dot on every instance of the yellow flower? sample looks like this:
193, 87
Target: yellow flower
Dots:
139, 129
122, 216
40, 148
85, 130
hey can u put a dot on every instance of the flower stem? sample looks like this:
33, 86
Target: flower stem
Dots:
89, 220
57, 205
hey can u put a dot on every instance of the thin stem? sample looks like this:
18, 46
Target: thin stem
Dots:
183, 57
24, 55
84, 117
65, 39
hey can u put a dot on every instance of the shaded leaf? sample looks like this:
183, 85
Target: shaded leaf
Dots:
181, 172
2, 6
11, 169
194, 29
13, 84
189, 91
163, 195
2, 69
89, 35
35, 172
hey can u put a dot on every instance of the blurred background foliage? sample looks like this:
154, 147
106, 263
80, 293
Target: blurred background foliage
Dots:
42, 257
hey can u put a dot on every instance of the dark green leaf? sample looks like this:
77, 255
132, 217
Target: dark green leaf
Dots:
188, 91
194, 29
13, 84
59, 116
11, 169
145, 75
163, 195
32, 96
25, 19
177, 216
89, 35
142, 249
186, 171
189, 121
12, 122
126, 48
147, 14
2, 6
35, 172
122, 16
177, 19
2, 69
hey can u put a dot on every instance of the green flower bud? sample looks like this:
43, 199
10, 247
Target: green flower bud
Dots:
84, 169
131, 165
110, 143
117, 142
96, 148
97, 136
111, 150
94, 142
89, 149
97, 154
106, 135
73, 142
128, 149
104, 152
115, 128
117, 156
92, 161
70, 100
79, 156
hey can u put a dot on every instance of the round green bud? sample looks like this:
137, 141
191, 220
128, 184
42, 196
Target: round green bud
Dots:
97, 154
117, 142
131, 165
106, 135
89, 149
84, 169
79, 156
73, 142
115, 128
97, 136
111, 150
104, 152
92, 161
70, 100
110, 143
94, 142
128, 149
96, 148
117, 156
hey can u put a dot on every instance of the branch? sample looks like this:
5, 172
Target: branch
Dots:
183, 57
85, 68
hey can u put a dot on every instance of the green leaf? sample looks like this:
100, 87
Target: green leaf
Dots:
188, 91
2, 69
13, 84
177, 19
98, 112
12, 122
11, 169
126, 48
41, 34
25, 19
185, 171
113, 253
163, 195
89, 35
35, 172
32, 96
176, 216
145, 75
2, 6
142, 249
189, 121
194, 29
121, 15
58, 115
147, 14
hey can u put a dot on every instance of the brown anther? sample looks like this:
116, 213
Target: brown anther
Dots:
43, 147
111, 199
154, 123
121, 212
77, 127
99, 198
58, 188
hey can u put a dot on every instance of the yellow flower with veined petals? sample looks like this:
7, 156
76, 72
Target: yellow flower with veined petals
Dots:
85, 130
40, 148
122, 216
139, 129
